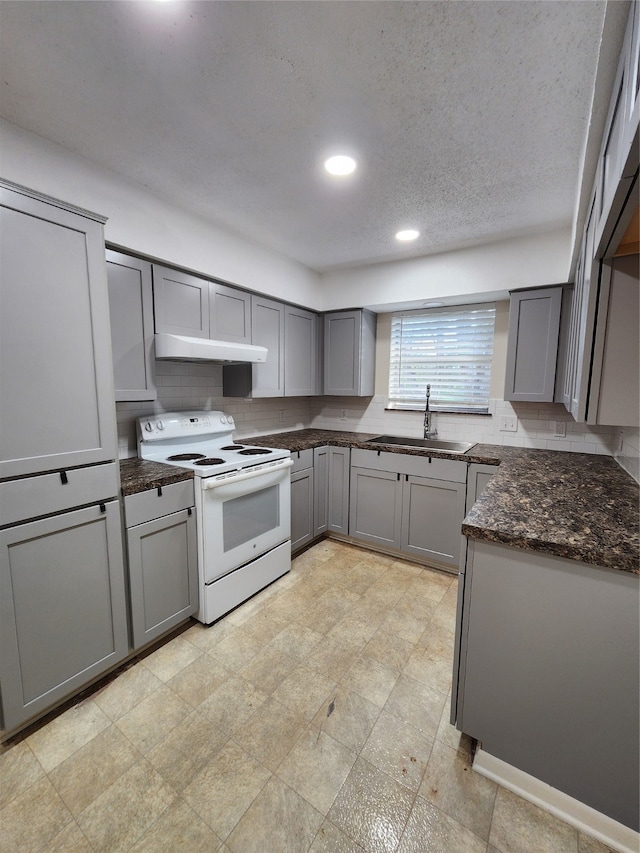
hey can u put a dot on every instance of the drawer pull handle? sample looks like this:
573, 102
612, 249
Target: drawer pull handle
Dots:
159, 491
63, 478
103, 508
189, 511
429, 460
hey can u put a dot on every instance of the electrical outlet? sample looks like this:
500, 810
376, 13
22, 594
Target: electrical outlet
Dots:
508, 423
281, 416
343, 415
561, 429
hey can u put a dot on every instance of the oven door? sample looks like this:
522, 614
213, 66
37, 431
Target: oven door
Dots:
243, 517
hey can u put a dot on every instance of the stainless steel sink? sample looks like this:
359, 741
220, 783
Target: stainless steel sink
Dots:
426, 443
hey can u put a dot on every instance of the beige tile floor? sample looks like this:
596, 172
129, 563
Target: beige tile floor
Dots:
221, 739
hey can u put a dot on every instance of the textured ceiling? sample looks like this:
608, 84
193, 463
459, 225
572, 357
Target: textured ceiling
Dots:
468, 119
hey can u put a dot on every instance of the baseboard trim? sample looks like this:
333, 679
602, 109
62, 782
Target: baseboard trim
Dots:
572, 811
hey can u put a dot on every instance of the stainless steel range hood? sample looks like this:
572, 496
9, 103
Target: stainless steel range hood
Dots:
183, 348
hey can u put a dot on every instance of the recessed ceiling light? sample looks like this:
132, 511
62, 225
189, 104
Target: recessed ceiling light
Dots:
407, 235
340, 165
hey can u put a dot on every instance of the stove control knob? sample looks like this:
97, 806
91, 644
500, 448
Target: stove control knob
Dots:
230, 420
148, 427
223, 420
160, 425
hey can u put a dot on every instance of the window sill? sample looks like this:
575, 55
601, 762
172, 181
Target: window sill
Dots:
439, 411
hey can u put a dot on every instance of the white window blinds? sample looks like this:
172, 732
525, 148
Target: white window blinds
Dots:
449, 348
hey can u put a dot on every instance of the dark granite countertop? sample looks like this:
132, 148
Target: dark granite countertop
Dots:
138, 475
576, 505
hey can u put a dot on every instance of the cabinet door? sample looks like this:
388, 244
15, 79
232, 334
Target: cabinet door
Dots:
614, 397
342, 353
267, 330
163, 574
432, 514
375, 506
230, 314
301, 508
131, 311
181, 303
534, 326
349, 353
478, 479
300, 352
55, 354
321, 490
62, 604
339, 476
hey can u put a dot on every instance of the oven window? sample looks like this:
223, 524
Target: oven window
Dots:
249, 516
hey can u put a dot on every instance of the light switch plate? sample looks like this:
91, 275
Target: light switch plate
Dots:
561, 429
508, 423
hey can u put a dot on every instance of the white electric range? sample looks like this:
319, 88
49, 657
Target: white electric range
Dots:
243, 503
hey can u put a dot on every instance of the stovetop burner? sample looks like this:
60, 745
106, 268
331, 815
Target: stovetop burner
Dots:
253, 451
185, 457
232, 447
213, 460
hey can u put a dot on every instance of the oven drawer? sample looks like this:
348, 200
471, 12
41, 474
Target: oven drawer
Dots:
32, 497
154, 503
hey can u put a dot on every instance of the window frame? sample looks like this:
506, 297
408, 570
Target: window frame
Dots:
398, 403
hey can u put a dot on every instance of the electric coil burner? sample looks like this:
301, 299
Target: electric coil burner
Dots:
243, 503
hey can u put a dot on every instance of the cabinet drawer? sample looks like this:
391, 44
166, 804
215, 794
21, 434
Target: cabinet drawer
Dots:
402, 463
32, 497
301, 459
145, 506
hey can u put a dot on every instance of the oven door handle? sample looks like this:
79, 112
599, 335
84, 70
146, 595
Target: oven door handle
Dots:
248, 475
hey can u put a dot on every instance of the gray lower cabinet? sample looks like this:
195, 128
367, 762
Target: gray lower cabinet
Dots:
62, 607
534, 325
311, 497
375, 507
320, 490
162, 550
432, 512
541, 643
302, 494
408, 503
349, 353
339, 477
131, 312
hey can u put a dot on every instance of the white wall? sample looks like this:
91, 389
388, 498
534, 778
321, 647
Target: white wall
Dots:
478, 272
147, 224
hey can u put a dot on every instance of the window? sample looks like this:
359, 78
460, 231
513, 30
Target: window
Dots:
449, 348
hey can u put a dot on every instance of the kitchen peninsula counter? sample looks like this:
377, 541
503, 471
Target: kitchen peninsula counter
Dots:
138, 475
580, 506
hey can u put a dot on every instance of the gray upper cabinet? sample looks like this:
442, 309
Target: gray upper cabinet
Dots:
131, 311
267, 330
62, 607
615, 379
181, 303
300, 352
55, 353
230, 314
534, 325
349, 353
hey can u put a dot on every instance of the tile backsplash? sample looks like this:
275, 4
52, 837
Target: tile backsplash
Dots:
199, 386
536, 427
184, 386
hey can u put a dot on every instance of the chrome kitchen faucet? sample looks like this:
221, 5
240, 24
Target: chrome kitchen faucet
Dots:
428, 432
